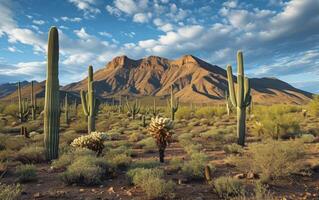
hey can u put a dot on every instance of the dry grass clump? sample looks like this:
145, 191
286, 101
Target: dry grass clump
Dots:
227, 187
10, 192
184, 113
26, 173
152, 182
30, 154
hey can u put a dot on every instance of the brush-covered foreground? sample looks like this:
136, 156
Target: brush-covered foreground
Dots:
203, 161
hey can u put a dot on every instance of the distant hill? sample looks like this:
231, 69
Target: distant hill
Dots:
193, 79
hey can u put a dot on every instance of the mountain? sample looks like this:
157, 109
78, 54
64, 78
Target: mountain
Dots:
8, 88
193, 80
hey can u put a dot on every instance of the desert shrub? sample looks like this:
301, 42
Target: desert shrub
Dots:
313, 106
185, 138
233, 148
93, 141
262, 192
204, 112
194, 168
119, 160
151, 181
184, 113
26, 173
3, 167
176, 163
10, 142
193, 148
10, 192
276, 159
30, 154
11, 109
275, 125
307, 138
86, 170
146, 164
68, 136
135, 137
148, 145
80, 126
227, 187
66, 159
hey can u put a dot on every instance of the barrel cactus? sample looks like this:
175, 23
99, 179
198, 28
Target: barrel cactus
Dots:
51, 103
161, 129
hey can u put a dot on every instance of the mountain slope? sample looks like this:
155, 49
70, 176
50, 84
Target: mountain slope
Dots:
193, 79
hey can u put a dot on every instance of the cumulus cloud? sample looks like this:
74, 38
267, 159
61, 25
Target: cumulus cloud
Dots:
75, 19
142, 17
38, 22
87, 6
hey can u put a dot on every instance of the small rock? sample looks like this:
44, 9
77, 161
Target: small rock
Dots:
182, 181
199, 198
101, 186
239, 176
129, 193
37, 195
93, 190
81, 190
252, 175
33, 133
111, 190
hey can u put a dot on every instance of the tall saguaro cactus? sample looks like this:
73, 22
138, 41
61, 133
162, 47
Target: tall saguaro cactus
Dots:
23, 107
51, 104
240, 97
66, 110
173, 106
89, 102
33, 102
133, 109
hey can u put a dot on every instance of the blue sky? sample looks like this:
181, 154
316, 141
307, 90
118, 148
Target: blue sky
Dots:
279, 38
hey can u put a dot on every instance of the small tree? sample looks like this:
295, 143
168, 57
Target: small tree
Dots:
161, 129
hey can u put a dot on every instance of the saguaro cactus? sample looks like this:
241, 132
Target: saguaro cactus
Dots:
89, 103
66, 109
133, 109
34, 107
173, 106
227, 103
23, 107
241, 97
51, 104
120, 105
155, 111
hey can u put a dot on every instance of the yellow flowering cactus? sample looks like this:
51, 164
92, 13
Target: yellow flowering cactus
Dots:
93, 141
161, 129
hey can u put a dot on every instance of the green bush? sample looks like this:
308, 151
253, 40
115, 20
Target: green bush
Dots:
10, 192
184, 113
135, 137
11, 109
26, 173
227, 187
148, 145
86, 170
146, 164
233, 148
120, 160
194, 168
276, 159
30, 154
307, 138
10, 142
151, 181
66, 159
313, 106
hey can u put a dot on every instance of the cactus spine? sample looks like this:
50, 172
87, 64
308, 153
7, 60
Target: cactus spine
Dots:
133, 109
23, 107
89, 102
173, 106
33, 102
51, 104
240, 98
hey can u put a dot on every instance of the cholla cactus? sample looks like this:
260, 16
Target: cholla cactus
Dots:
93, 141
161, 129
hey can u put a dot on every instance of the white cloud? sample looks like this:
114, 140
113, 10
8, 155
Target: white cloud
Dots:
142, 17
75, 19
87, 6
106, 34
113, 11
14, 49
38, 22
